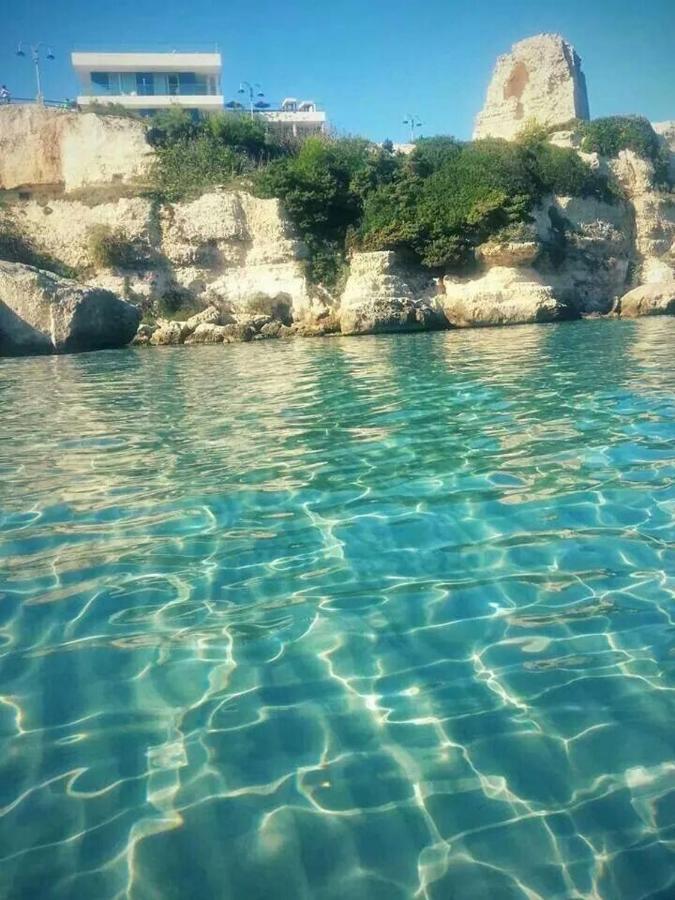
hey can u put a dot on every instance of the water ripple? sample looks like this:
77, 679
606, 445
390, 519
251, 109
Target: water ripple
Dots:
388, 617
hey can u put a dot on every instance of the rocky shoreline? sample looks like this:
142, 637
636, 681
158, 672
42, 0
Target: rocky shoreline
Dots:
228, 266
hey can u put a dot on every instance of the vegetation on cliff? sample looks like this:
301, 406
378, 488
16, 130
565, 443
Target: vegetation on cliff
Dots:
436, 204
193, 156
610, 135
448, 197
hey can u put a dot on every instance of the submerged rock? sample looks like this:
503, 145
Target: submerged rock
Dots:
649, 300
43, 313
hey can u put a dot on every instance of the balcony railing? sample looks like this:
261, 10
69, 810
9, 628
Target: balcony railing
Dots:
188, 90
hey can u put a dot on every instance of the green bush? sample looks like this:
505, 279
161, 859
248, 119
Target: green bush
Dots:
110, 248
112, 109
188, 167
449, 197
322, 190
612, 134
193, 155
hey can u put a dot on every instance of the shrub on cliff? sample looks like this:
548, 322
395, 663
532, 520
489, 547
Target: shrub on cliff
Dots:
610, 135
193, 155
110, 248
322, 190
449, 197
188, 167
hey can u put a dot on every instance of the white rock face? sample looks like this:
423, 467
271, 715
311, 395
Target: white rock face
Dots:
502, 296
383, 295
224, 248
45, 147
541, 80
234, 246
62, 227
588, 250
42, 313
654, 214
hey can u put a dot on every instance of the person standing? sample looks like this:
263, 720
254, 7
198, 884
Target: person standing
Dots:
4, 94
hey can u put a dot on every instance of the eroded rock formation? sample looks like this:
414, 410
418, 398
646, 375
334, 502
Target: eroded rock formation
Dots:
226, 248
383, 295
42, 313
510, 292
649, 300
540, 80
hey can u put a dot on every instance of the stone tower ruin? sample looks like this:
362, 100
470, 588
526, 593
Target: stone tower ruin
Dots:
540, 80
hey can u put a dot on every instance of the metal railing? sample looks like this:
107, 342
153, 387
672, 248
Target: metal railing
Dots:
66, 103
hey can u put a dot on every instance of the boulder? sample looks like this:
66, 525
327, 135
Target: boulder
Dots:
169, 333
539, 80
208, 316
207, 333
649, 300
237, 332
42, 313
382, 295
143, 335
502, 296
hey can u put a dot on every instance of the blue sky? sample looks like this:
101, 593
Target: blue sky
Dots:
368, 62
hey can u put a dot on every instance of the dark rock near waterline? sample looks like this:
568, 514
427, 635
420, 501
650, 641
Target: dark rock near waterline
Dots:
43, 313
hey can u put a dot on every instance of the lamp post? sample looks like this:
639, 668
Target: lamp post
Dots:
253, 90
35, 55
413, 122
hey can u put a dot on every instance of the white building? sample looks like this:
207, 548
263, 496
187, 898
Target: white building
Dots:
297, 117
150, 81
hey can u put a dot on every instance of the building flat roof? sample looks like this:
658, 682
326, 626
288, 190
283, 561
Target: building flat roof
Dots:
208, 63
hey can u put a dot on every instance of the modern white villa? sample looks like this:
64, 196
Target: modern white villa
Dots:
150, 81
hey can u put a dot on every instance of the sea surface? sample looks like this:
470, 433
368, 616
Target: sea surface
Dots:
372, 618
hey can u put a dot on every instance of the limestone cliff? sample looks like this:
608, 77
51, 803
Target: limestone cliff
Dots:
541, 80
41, 147
224, 248
654, 217
382, 295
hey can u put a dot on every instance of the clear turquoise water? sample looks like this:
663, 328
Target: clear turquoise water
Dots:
357, 618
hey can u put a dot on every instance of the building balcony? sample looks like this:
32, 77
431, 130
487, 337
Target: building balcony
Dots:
206, 102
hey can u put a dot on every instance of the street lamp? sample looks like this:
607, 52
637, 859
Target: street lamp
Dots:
413, 123
35, 55
253, 90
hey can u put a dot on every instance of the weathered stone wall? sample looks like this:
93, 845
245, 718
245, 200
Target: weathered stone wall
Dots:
654, 217
62, 149
225, 248
540, 79
384, 295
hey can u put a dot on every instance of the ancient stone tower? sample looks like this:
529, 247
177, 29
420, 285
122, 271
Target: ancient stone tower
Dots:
540, 79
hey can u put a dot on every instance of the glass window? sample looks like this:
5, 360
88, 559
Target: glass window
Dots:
128, 83
145, 84
100, 82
